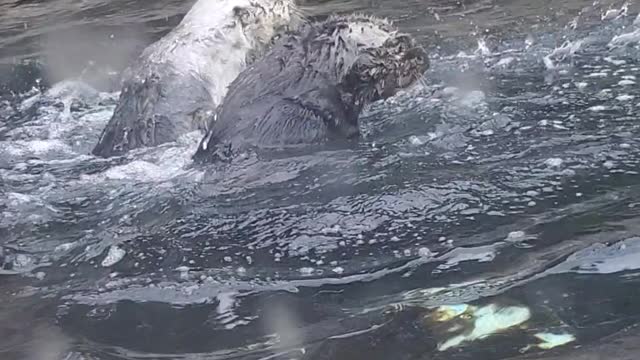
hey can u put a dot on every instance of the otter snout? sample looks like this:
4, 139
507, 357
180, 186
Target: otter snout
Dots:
412, 57
419, 58
415, 61
417, 53
400, 43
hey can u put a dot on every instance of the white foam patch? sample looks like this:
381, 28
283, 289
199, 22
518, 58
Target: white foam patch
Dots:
226, 302
625, 97
625, 39
16, 199
554, 162
458, 255
581, 85
71, 88
598, 108
96, 119
34, 147
156, 164
483, 49
516, 236
551, 340
138, 169
56, 131
548, 63
505, 61
569, 48
417, 140
603, 259
114, 256
597, 75
65, 247
190, 139
473, 99
153, 165
612, 14
28, 102
613, 61
46, 146
26, 209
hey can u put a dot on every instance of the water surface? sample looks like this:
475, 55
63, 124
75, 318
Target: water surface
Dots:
507, 179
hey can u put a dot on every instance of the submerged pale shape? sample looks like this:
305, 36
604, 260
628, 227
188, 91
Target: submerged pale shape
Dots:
489, 320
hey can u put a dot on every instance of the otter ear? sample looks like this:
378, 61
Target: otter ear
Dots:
243, 14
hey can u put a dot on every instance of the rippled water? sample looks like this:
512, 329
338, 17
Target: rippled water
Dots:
508, 178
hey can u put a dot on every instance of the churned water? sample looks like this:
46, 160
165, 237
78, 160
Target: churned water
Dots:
492, 211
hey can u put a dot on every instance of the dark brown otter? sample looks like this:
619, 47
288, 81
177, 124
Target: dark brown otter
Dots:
312, 85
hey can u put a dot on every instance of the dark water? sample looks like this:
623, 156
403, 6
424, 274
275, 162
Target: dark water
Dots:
507, 181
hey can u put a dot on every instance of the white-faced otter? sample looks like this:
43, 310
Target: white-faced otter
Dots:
185, 74
312, 85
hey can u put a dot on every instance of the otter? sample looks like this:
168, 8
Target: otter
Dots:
311, 86
177, 80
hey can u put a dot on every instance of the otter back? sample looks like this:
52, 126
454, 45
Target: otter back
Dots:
154, 111
177, 80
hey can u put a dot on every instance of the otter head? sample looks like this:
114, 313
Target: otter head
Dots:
379, 72
376, 61
261, 20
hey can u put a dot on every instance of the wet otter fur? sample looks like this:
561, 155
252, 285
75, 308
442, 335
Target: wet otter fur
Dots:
312, 85
177, 80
